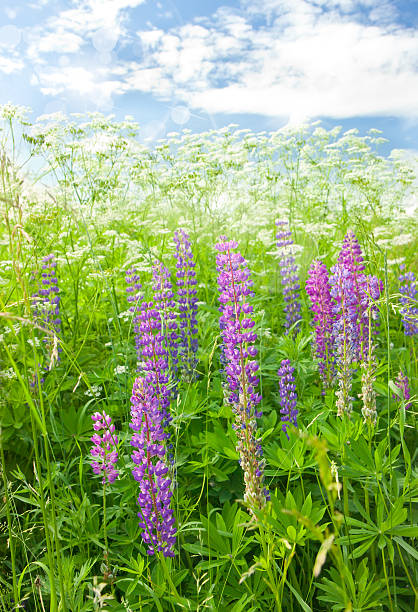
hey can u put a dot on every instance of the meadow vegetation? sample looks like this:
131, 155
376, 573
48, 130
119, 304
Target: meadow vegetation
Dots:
251, 397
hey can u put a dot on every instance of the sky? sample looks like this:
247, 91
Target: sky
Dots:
204, 64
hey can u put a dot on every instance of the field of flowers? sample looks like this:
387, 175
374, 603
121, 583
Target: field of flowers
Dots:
208, 369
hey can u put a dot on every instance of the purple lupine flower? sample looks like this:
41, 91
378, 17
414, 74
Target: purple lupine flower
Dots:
152, 470
187, 304
154, 356
351, 260
361, 292
319, 291
402, 383
345, 334
165, 304
288, 276
134, 297
409, 310
104, 447
288, 396
46, 311
46, 300
240, 366
350, 255
371, 289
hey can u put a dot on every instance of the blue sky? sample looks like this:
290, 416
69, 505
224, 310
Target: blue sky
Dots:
203, 64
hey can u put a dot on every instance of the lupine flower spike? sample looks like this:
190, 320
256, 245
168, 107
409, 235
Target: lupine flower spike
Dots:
350, 260
47, 299
409, 310
319, 291
151, 350
151, 470
371, 289
240, 366
187, 304
166, 307
288, 396
344, 334
104, 449
402, 383
288, 276
155, 331
134, 297
46, 310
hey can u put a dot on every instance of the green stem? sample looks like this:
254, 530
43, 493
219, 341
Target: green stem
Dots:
52, 493
367, 502
180, 600
9, 520
386, 579
104, 520
53, 602
271, 581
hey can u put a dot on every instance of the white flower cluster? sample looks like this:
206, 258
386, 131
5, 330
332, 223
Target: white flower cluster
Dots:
121, 369
8, 374
94, 391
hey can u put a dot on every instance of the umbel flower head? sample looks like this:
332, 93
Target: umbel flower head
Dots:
240, 366
104, 448
288, 276
187, 304
151, 470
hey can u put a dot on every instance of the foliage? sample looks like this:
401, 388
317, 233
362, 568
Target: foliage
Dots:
338, 533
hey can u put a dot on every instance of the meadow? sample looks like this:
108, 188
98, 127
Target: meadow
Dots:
208, 369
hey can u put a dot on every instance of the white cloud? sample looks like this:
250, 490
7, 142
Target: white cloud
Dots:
297, 58
58, 41
87, 32
97, 85
310, 60
99, 22
8, 65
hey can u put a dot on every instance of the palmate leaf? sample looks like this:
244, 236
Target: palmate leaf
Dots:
368, 532
361, 550
359, 591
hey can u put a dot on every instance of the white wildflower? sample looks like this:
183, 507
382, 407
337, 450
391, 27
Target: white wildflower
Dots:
121, 369
8, 374
94, 391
